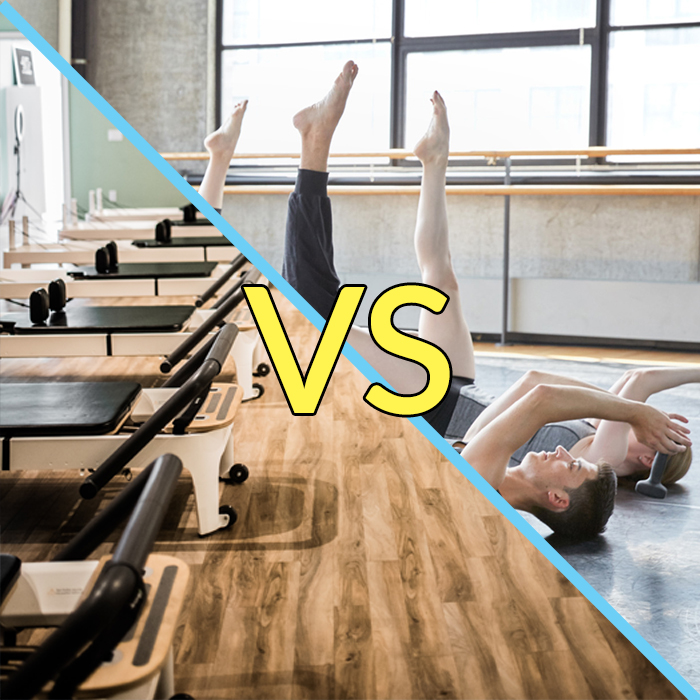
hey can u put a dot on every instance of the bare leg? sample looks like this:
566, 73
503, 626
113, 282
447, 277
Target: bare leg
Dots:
221, 145
447, 330
317, 123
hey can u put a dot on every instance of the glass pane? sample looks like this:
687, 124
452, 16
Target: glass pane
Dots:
654, 89
453, 17
504, 98
285, 22
626, 12
280, 82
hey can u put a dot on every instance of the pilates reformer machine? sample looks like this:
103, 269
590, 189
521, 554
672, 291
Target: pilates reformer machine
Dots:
116, 618
83, 252
51, 330
135, 230
116, 212
189, 232
107, 427
110, 278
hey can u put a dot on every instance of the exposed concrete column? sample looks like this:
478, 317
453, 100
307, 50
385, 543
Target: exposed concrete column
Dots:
65, 31
211, 66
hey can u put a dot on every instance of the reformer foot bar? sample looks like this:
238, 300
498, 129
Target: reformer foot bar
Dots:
132, 604
133, 331
80, 425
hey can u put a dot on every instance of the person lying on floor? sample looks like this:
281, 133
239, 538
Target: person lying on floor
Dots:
545, 483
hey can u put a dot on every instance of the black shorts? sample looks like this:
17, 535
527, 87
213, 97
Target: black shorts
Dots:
439, 417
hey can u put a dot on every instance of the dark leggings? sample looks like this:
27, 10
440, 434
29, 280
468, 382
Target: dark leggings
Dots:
308, 265
308, 246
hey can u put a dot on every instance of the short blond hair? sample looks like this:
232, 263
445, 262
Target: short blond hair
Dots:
676, 468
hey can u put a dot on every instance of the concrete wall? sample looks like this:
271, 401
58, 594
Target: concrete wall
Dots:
591, 238
622, 267
41, 14
150, 60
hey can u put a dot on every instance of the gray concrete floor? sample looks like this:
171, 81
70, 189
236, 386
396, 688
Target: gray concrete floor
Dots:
647, 563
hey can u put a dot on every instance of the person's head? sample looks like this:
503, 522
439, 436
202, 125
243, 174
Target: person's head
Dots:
576, 498
640, 458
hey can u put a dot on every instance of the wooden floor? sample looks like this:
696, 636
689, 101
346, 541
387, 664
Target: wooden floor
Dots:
363, 565
629, 356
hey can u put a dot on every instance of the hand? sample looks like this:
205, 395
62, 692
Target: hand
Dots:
661, 431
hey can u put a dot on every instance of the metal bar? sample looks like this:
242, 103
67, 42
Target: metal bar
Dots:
398, 79
236, 265
506, 257
168, 411
143, 526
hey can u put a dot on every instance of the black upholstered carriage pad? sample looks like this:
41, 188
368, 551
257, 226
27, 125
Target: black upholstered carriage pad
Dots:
184, 242
146, 270
65, 408
103, 319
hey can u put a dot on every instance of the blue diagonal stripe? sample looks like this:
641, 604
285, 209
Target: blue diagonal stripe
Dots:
244, 247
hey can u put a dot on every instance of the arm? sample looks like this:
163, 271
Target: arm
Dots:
489, 451
611, 439
643, 383
526, 383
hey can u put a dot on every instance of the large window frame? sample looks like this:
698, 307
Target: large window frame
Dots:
597, 37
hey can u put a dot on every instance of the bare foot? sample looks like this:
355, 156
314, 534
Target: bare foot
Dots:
320, 119
223, 141
434, 147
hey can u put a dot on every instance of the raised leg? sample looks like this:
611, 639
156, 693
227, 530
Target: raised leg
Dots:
447, 330
308, 255
221, 146
308, 251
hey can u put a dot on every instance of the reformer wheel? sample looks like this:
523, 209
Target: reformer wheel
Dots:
262, 370
232, 516
237, 474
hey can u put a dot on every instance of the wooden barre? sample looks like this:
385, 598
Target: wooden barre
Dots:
640, 190
402, 153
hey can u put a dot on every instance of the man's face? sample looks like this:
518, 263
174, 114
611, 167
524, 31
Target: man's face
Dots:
558, 471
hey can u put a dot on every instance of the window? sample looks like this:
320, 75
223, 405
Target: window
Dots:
525, 74
654, 88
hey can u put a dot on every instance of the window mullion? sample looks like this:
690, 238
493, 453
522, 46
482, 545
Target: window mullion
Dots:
397, 108
599, 76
